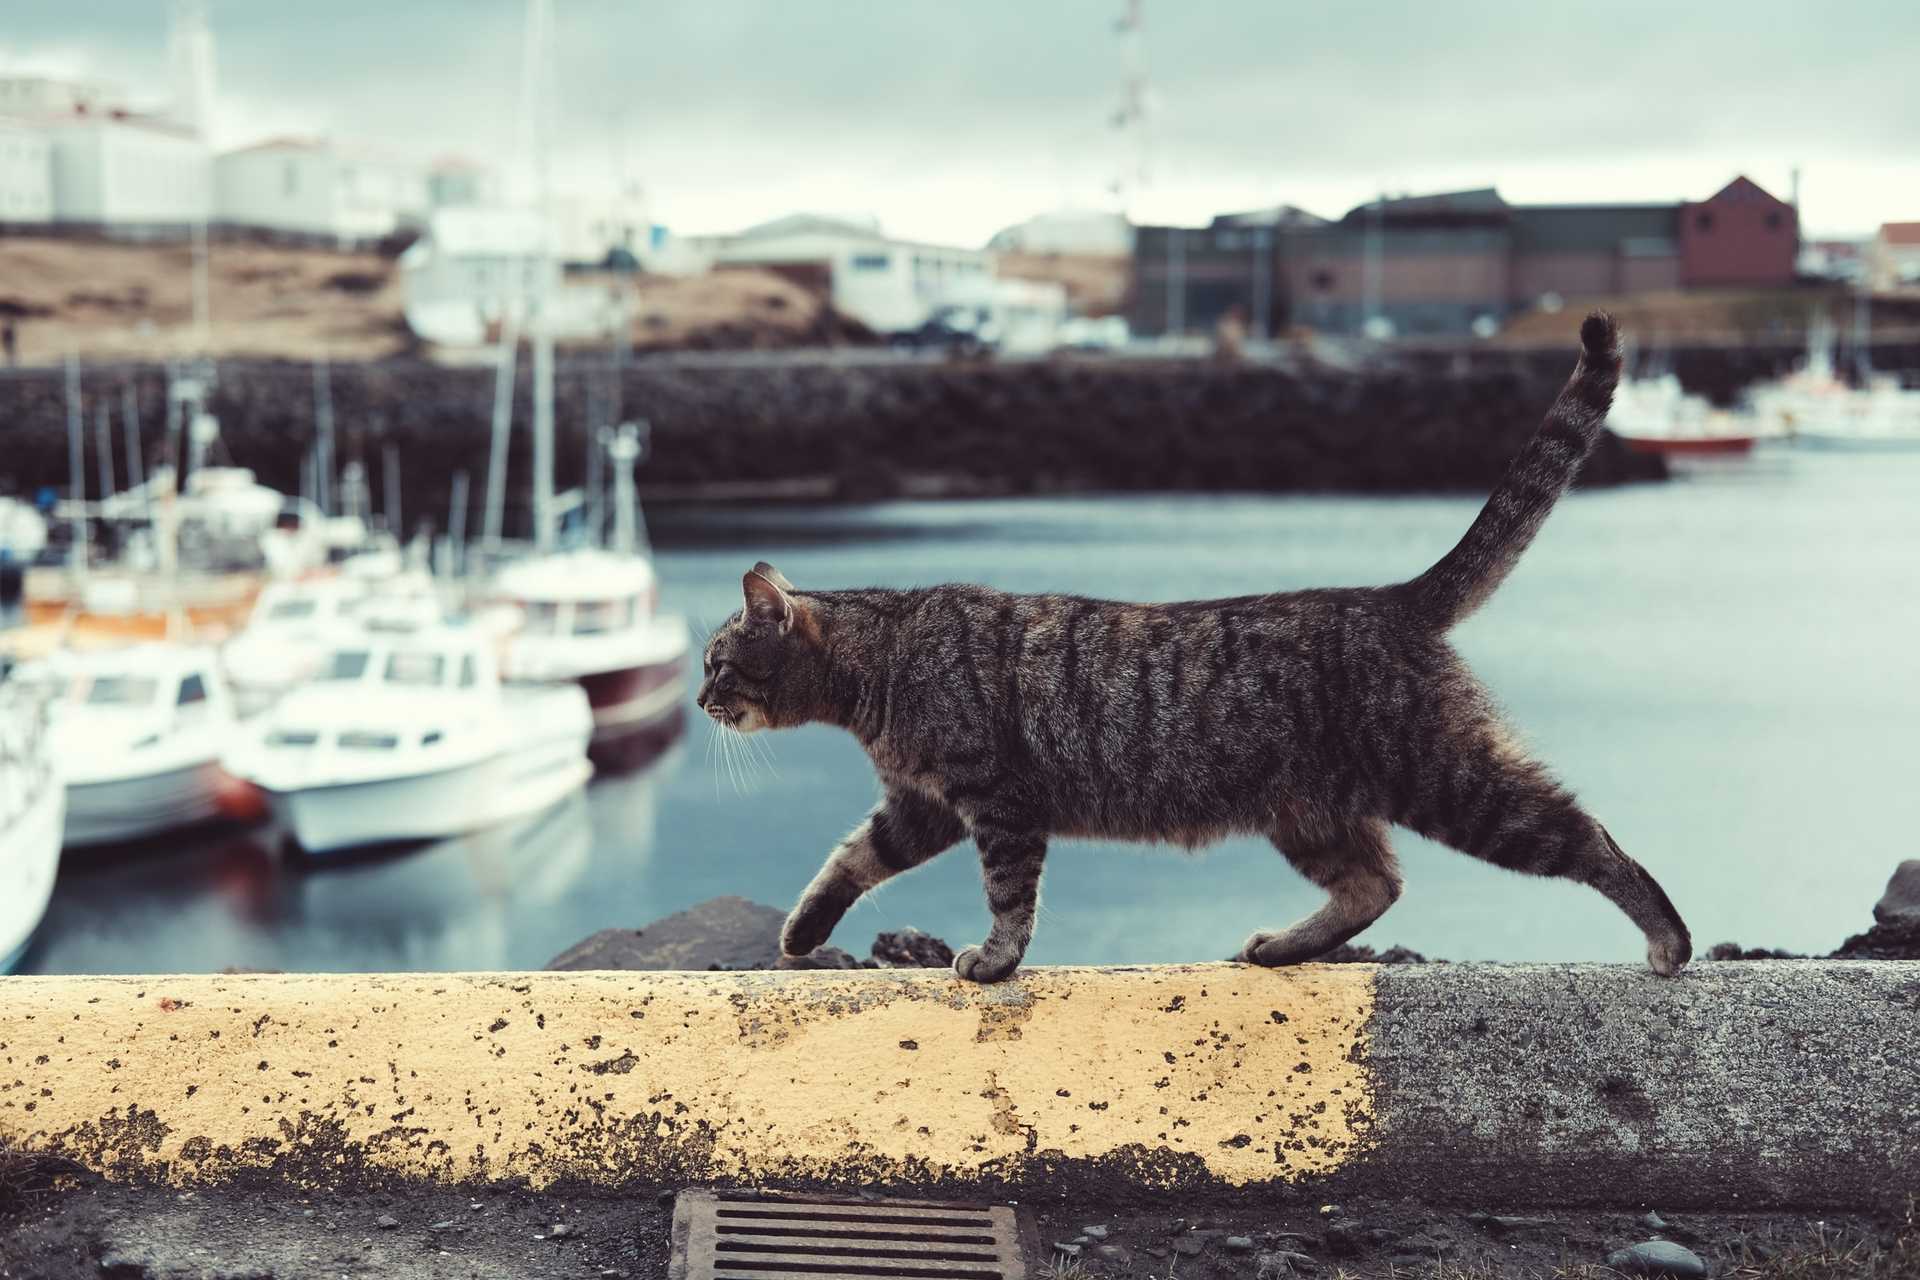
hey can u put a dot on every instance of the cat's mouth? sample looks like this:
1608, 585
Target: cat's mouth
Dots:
745, 720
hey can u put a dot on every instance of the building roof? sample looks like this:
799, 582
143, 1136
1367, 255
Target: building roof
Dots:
1279, 215
812, 223
284, 143
1571, 228
1741, 190
119, 117
1478, 204
1900, 232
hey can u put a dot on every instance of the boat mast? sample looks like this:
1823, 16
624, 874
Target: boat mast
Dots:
504, 376
623, 450
76, 466
540, 107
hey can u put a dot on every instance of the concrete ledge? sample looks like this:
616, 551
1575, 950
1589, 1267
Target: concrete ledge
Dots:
1753, 1084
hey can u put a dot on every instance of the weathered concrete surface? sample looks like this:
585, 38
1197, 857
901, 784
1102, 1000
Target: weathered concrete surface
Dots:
1204, 1076
1762, 1084
1788, 1083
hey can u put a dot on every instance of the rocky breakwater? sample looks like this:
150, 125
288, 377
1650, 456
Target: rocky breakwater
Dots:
863, 430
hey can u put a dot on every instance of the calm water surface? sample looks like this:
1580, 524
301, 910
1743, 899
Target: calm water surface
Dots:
1727, 668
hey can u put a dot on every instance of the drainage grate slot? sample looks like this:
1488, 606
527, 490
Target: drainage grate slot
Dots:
771, 1236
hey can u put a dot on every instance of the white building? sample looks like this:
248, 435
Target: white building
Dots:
474, 267
455, 181
887, 284
26, 173
128, 173
108, 166
1091, 232
313, 187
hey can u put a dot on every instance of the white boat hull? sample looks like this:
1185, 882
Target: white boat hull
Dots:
121, 809
431, 806
29, 859
1859, 442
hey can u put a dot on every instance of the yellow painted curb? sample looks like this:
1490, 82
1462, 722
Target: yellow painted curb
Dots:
1211, 1074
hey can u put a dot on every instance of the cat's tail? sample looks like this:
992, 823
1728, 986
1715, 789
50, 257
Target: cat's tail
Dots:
1468, 574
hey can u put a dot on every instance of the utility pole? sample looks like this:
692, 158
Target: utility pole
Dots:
1130, 117
540, 107
1262, 316
1176, 281
1370, 266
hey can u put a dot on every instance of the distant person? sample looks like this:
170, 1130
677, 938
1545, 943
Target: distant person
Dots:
11, 341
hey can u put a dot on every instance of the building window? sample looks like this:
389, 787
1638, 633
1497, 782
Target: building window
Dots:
1322, 280
871, 262
1773, 221
1703, 221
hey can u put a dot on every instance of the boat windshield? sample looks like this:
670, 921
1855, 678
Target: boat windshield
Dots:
416, 669
542, 618
594, 617
118, 691
292, 611
347, 664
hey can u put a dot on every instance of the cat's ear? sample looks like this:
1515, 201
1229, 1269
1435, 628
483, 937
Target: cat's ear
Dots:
767, 599
774, 576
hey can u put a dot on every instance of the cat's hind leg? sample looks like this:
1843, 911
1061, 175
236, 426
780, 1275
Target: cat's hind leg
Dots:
1354, 862
904, 830
1484, 798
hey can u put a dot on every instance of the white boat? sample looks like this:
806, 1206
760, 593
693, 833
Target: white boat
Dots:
1656, 415
588, 616
287, 636
138, 733
412, 736
32, 807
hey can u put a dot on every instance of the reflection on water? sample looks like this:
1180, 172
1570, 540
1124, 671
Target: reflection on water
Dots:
1723, 667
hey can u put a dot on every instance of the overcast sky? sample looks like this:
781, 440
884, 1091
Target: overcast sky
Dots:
952, 118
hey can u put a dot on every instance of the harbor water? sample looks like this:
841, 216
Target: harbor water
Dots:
1726, 668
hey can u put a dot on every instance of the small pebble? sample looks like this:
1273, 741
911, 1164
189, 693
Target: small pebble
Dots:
1094, 1233
559, 1231
1239, 1244
448, 1225
1653, 1221
1118, 1254
386, 1222
1069, 1250
1329, 1210
1187, 1246
1658, 1258
1286, 1260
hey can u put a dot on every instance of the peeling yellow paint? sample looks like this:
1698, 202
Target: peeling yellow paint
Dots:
1212, 1072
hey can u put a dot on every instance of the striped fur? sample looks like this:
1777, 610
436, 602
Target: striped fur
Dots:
1315, 718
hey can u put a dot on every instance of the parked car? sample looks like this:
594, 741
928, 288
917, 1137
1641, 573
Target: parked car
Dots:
960, 330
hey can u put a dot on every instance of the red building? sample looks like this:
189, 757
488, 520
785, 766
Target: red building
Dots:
1738, 236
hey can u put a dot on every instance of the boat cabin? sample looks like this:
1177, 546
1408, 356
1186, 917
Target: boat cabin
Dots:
139, 695
580, 593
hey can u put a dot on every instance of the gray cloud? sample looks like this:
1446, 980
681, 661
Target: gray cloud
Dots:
957, 117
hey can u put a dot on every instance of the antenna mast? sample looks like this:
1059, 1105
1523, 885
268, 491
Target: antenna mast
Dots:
1130, 118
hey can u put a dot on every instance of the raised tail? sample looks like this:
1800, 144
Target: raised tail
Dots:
1468, 574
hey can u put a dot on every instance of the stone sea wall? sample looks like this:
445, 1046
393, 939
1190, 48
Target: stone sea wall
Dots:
866, 431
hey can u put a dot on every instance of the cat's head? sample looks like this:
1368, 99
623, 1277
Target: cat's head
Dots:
762, 668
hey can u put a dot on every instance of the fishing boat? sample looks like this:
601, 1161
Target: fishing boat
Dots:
589, 616
406, 736
1656, 415
32, 809
138, 733
286, 637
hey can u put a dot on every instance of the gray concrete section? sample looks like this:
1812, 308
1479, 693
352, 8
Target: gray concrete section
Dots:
1751, 1084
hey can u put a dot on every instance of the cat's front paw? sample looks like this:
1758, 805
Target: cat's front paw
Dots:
976, 965
1269, 950
810, 924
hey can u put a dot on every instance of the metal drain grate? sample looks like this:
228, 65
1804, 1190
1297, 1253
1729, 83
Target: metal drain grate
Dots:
720, 1235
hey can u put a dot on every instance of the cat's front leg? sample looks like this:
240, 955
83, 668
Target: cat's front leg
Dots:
1010, 862
904, 830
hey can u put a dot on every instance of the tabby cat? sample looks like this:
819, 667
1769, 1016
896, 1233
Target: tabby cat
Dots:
1314, 718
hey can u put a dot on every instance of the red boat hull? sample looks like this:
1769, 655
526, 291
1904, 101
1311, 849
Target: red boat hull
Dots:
1703, 444
637, 711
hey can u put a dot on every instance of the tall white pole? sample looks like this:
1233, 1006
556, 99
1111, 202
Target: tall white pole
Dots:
540, 92
503, 379
76, 464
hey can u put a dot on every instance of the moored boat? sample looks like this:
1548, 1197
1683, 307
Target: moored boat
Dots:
412, 736
32, 809
589, 616
138, 734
